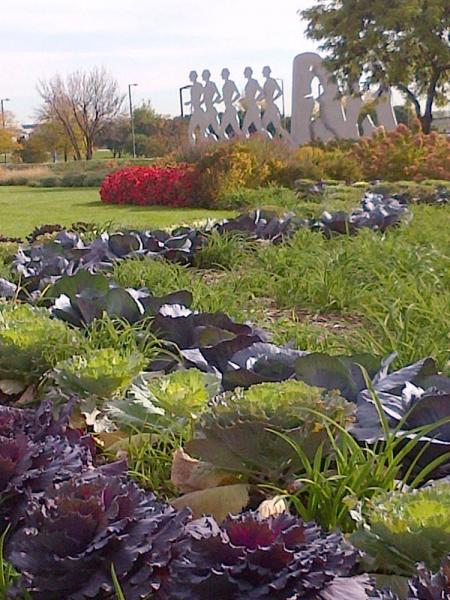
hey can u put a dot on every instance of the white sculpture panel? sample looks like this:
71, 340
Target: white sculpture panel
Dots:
197, 129
211, 97
326, 115
337, 114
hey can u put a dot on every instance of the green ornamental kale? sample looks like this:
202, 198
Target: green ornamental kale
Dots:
184, 393
102, 373
245, 431
167, 402
31, 342
402, 529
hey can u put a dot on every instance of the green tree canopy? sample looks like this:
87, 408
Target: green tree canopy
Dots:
401, 43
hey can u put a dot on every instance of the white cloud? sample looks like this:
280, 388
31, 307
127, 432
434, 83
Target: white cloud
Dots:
155, 43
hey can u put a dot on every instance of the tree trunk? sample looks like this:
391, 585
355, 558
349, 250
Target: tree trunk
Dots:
426, 121
89, 149
427, 118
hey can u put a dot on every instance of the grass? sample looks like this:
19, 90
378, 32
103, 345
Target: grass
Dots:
22, 209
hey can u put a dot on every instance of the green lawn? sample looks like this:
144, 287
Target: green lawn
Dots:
23, 208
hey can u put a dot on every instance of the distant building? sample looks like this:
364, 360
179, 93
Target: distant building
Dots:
441, 121
26, 129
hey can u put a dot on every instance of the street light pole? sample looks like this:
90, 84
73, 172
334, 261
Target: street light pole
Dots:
2, 100
185, 87
281, 81
133, 137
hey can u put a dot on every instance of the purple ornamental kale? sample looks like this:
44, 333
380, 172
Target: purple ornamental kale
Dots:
41, 422
74, 535
37, 450
29, 467
427, 586
251, 558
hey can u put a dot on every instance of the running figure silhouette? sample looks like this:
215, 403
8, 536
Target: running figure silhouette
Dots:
211, 97
251, 95
271, 92
231, 95
197, 119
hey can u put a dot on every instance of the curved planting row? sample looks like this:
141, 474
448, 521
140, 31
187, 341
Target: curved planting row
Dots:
40, 264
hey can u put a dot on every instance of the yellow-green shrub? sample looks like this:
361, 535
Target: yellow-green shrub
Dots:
223, 169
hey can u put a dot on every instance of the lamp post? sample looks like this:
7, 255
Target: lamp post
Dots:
133, 137
185, 87
281, 82
2, 100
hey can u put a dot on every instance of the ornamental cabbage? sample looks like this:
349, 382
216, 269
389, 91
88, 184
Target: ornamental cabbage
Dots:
279, 558
427, 586
78, 531
239, 431
402, 529
102, 373
31, 342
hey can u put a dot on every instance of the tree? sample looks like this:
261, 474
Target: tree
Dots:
401, 43
146, 120
9, 134
8, 142
157, 134
34, 149
10, 121
49, 138
83, 104
406, 115
116, 136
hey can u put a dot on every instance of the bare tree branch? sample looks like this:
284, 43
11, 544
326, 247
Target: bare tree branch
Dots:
84, 104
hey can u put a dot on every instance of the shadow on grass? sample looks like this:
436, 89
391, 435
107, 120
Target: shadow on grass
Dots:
48, 190
129, 207
89, 204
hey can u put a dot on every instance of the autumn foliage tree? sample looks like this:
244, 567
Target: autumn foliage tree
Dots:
8, 142
9, 134
401, 43
84, 103
49, 140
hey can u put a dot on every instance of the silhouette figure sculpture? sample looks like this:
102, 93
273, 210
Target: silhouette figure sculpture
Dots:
197, 120
211, 97
271, 93
251, 95
230, 95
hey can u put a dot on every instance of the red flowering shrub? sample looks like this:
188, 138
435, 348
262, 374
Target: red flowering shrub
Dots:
146, 186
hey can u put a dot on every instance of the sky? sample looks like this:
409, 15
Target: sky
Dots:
154, 43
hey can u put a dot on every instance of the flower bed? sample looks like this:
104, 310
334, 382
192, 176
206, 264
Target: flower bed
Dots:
143, 409
148, 186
